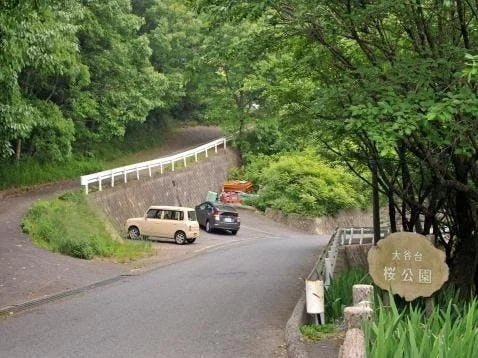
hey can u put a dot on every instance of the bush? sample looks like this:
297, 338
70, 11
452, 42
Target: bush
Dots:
302, 183
68, 225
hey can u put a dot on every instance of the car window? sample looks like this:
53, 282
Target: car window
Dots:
178, 215
226, 208
168, 215
152, 213
192, 215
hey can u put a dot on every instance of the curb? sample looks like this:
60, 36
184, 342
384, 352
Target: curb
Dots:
295, 345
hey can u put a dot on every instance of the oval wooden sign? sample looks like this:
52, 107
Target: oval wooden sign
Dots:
408, 264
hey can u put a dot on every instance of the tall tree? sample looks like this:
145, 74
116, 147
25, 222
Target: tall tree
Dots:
398, 87
39, 55
123, 86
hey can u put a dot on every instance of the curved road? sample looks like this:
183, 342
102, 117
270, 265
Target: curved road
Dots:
231, 300
224, 296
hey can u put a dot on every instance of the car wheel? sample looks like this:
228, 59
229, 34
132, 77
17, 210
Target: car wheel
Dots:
234, 232
133, 233
208, 226
180, 237
190, 241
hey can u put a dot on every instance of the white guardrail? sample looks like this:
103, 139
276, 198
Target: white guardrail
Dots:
149, 165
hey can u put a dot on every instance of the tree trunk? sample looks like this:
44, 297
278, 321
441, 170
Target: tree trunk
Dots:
18, 151
375, 201
465, 258
391, 212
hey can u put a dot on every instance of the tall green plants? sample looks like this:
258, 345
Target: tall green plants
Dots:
448, 331
339, 294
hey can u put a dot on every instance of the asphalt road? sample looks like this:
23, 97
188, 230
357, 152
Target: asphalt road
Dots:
230, 299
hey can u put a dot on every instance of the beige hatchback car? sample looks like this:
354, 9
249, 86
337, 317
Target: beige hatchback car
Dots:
171, 222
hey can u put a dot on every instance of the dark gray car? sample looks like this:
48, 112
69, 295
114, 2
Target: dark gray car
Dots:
215, 215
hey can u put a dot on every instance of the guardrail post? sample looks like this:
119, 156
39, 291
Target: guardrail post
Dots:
172, 165
99, 184
225, 143
328, 271
361, 236
184, 161
351, 235
149, 168
86, 189
112, 180
195, 157
206, 153
215, 148
161, 166
125, 175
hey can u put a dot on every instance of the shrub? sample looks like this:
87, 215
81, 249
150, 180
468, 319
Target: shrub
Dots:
303, 183
68, 225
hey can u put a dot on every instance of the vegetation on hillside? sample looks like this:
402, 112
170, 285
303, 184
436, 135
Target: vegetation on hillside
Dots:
69, 225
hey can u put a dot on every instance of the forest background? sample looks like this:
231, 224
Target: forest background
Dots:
325, 99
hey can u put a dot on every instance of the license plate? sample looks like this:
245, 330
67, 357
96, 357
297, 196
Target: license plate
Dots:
228, 220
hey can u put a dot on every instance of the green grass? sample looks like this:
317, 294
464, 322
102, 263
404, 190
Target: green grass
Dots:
69, 225
316, 332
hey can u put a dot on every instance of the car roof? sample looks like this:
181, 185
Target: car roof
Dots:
220, 205
169, 207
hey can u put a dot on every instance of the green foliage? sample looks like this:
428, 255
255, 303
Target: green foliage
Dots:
114, 153
319, 332
339, 294
302, 183
450, 330
69, 226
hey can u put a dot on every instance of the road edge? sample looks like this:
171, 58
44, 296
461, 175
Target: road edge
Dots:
294, 342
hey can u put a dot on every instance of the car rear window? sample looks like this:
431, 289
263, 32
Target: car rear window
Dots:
226, 208
192, 215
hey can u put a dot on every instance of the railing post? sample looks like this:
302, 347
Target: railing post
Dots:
206, 153
112, 180
225, 140
99, 184
149, 168
184, 161
215, 148
161, 165
125, 175
172, 165
195, 157
86, 189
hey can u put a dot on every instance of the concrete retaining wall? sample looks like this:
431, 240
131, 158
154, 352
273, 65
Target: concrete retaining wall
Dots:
184, 187
323, 225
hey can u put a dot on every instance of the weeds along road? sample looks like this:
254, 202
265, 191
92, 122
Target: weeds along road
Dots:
231, 300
